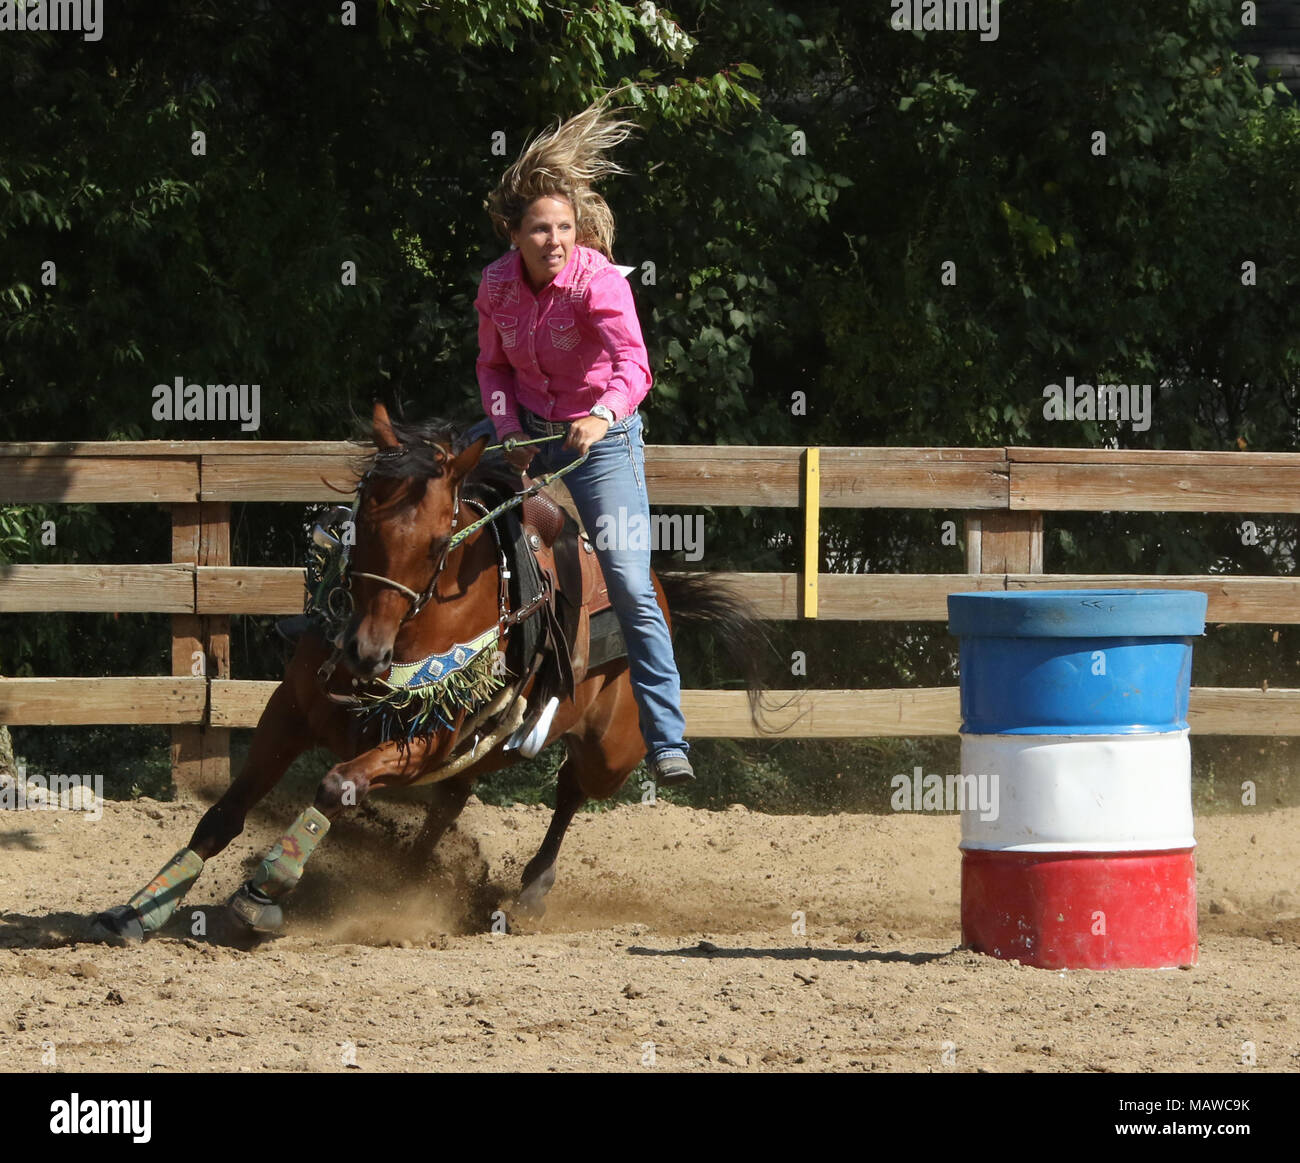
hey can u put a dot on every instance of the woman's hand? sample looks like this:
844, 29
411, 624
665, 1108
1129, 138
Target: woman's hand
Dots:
519, 458
584, 433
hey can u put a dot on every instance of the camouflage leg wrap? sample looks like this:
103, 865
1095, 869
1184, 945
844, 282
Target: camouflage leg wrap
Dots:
156, 902
281, 869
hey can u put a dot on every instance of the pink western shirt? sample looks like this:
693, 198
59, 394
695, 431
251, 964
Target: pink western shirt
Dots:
561, 352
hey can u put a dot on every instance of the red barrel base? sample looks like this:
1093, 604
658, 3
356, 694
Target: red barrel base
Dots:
1081, 910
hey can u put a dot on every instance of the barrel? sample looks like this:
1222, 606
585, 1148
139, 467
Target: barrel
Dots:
1074, 713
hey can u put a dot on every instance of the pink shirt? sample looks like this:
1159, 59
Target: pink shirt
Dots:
560, 353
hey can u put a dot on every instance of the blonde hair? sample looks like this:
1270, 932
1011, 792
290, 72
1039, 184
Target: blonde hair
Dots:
563, 162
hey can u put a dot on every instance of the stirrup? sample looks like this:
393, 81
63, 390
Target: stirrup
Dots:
530, 738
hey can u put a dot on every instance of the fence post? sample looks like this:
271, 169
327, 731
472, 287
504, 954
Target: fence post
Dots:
1004, 541
200, 753
812, 509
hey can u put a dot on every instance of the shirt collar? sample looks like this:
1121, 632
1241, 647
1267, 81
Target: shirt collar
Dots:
566, 275
563, 279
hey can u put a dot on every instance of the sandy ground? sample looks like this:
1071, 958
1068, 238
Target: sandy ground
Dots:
669, 944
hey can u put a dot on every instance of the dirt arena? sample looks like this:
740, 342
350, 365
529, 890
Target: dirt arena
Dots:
668, 945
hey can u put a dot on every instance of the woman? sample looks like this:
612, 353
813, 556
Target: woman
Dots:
561, 352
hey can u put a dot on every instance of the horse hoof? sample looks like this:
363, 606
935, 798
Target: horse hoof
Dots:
531, 904
255, 911
118, 924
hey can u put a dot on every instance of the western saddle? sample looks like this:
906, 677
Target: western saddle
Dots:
585, 632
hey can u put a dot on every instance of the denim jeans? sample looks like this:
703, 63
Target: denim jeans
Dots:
613, 479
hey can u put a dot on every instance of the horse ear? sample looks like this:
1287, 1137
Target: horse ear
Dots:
383, 428
464, 464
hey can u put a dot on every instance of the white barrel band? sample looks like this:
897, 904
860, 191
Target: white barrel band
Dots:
1081, 793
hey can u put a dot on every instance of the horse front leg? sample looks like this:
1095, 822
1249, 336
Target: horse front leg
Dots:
258, 901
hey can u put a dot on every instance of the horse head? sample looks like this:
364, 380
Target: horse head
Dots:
409, 504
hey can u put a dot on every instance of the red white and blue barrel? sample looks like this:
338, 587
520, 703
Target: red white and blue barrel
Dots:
1074, 702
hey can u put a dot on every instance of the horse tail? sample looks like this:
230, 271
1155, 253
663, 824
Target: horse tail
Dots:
699, 597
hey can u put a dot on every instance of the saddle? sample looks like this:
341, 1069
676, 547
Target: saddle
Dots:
584, 630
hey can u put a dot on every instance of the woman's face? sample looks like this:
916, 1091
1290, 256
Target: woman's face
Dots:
545, 239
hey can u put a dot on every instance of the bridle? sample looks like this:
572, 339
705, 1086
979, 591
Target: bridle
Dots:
417, 602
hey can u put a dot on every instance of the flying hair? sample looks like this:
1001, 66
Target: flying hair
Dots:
564, 162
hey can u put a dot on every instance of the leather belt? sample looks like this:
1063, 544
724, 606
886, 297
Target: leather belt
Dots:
540, 427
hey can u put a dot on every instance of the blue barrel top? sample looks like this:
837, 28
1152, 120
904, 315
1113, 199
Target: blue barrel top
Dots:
1076, 662
1077, 614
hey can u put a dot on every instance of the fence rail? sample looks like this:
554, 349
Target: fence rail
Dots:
1003, 494
911, 597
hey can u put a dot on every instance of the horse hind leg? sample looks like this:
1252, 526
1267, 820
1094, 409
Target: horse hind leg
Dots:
605, 746
539, 875
449, 798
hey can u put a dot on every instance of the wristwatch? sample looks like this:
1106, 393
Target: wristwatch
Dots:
603, 412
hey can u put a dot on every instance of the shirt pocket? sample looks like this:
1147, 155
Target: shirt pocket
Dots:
563, 330
507, 328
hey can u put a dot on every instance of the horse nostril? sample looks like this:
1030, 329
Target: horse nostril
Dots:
386, 659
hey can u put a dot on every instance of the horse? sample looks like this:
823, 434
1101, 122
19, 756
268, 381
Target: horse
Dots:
418, 592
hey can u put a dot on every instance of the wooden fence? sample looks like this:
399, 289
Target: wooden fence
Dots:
1003, 493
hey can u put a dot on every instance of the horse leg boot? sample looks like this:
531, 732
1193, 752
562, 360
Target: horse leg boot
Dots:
257, 901
153, 905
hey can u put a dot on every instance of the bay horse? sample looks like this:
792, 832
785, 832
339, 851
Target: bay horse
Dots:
409, 497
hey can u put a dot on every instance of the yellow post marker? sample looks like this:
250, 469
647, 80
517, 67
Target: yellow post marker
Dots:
812, 497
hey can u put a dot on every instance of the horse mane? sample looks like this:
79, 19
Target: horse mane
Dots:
422, 452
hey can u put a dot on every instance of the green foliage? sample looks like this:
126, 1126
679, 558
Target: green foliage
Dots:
15, 534
133, 761
801, 177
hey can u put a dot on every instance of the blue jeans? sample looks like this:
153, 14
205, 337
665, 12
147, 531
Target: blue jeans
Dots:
613, 479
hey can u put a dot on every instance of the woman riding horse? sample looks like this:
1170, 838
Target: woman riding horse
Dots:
561, 352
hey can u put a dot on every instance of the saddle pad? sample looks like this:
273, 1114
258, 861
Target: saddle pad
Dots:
607, 641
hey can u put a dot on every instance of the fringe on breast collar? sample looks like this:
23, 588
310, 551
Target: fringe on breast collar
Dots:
418, 698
